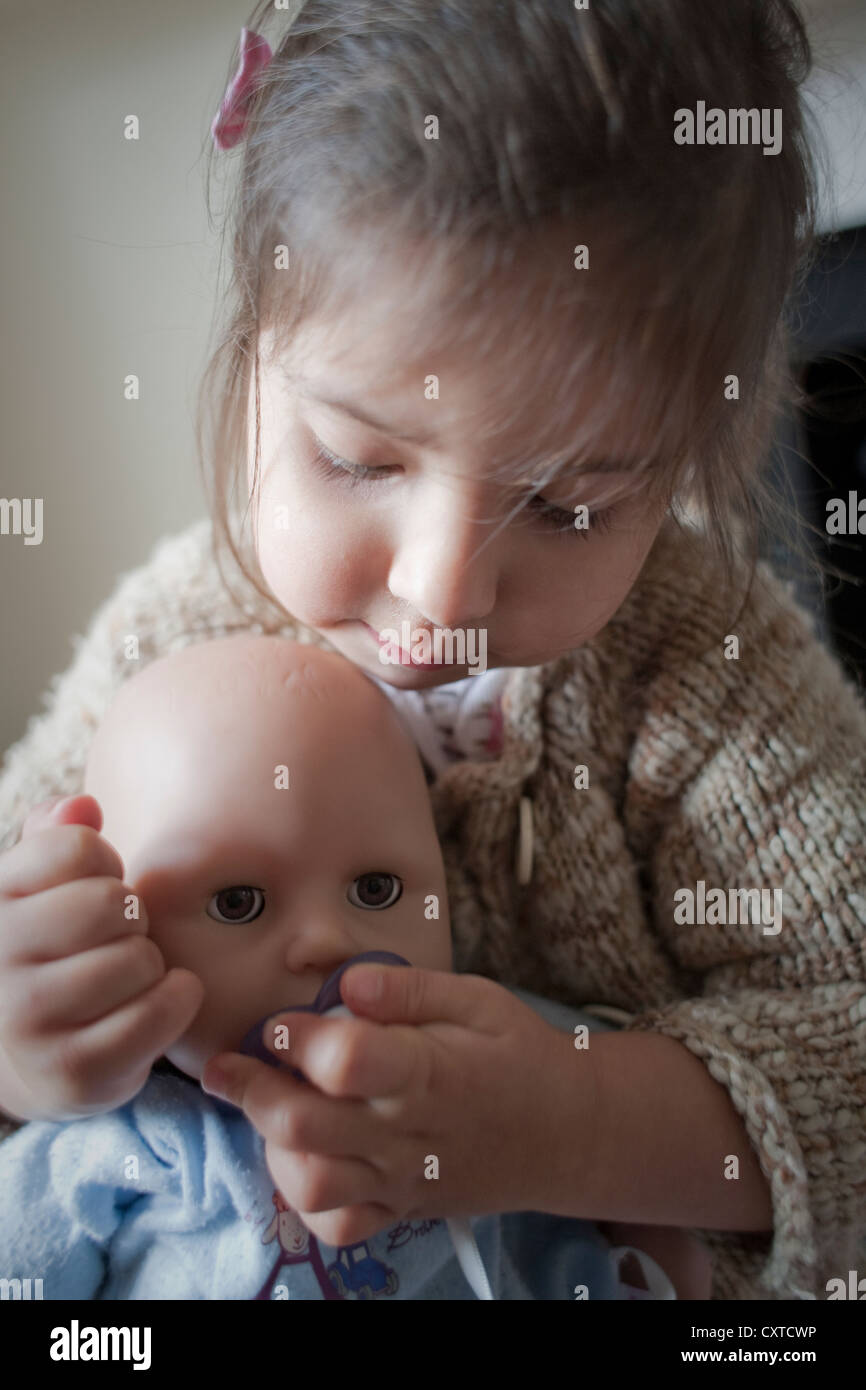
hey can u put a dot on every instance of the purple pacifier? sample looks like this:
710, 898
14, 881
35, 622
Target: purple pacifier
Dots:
327, 1001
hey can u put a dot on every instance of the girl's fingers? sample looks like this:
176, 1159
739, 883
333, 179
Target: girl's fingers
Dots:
62, 809
292, 1115
83, 988
349, 1225
102, 1060
312, 1183
57, 854
71, 918
353, 1058
408, 994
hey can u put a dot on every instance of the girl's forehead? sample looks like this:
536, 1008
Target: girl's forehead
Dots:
520, 354
513, 412
433, 350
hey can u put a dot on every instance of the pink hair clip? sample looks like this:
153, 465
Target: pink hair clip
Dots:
230, 123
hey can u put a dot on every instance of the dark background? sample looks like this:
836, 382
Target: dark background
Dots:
820, 451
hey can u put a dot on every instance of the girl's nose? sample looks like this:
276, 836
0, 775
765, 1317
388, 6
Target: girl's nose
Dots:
445, 563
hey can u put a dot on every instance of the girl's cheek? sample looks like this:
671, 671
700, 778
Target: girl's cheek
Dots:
306, 568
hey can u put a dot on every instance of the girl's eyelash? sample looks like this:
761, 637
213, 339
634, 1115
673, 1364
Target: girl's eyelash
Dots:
555, 519
561, 522
328, 464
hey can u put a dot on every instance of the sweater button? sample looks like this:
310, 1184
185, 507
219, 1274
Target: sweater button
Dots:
523, 860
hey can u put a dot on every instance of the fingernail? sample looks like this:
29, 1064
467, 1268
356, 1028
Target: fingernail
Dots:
217, 1083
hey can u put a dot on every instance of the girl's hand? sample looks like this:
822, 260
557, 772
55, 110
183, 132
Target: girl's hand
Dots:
446, 1099
86, 1004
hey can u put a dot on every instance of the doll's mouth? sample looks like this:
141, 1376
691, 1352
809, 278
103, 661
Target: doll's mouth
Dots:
328, 998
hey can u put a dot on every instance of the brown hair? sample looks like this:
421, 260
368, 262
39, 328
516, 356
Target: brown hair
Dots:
552, 121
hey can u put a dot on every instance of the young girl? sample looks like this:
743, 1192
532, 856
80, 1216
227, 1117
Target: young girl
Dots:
505, 350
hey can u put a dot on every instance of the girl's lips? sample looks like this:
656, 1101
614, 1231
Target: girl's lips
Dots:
406, 658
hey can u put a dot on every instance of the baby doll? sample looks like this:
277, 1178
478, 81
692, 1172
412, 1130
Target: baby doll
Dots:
272, 817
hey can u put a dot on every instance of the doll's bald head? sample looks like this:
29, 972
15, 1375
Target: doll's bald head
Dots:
272, 816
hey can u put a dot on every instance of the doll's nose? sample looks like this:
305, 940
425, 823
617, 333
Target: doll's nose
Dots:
319, 946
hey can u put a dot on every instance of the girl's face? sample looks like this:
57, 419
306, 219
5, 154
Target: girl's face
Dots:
375, 514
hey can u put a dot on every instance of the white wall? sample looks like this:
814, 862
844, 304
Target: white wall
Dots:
109, 268
837, 97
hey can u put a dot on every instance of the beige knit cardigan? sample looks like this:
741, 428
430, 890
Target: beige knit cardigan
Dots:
747, 772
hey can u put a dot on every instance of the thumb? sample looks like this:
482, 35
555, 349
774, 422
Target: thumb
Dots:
63, 810
407, 994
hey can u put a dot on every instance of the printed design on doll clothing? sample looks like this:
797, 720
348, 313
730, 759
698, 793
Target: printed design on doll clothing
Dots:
496, 736
441, 710
296, 1246
354, 1273
405, 1231
467, 715
460, 721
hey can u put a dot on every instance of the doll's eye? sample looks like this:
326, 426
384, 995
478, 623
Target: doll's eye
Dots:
375, 891
236, 905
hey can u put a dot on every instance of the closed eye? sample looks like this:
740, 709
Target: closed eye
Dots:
555, 519
328, 465
560, 521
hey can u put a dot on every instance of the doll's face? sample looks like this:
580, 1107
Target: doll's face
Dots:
263, 882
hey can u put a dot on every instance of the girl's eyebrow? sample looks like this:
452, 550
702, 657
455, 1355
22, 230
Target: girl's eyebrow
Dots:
416, 436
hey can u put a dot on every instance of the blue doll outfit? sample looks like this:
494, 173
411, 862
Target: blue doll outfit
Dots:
169, 1197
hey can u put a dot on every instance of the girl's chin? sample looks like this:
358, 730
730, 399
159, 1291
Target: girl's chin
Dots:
391, 665
416, 677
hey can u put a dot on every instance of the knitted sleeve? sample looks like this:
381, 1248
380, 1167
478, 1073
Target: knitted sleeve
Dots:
750, 774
